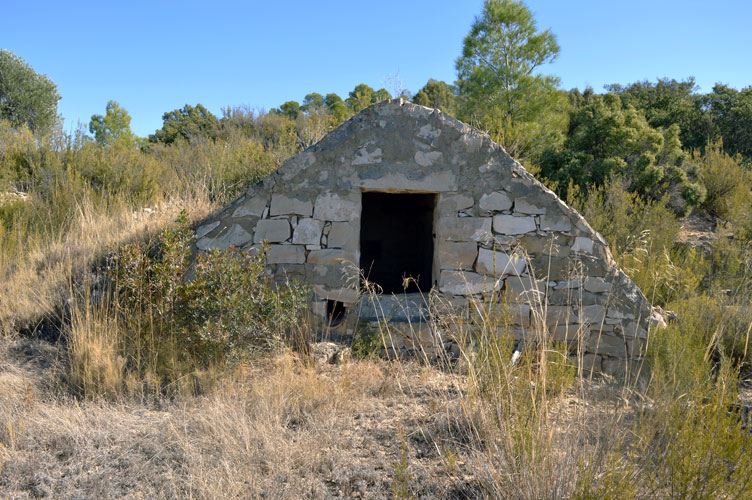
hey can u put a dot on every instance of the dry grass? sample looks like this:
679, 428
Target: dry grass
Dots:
280, 430
34, 287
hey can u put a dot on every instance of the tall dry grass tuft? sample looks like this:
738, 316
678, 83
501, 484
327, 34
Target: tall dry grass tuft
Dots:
95, 363
34, 287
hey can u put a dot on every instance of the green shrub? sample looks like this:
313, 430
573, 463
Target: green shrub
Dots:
177, 315
727, 183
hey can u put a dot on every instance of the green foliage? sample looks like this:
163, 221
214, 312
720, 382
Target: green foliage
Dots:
363, 96
381, 95
367, 342
728, 184
360, 97
438, 94
641, 235
114, 128
26, 97
290, 109
608, 139
730, 112
522, 110
401, 483
666, 103
312, 102
188, 124
228, 309
337, 107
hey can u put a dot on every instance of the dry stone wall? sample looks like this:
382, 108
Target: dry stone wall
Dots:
496, 229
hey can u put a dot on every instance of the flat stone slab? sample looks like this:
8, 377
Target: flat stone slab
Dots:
466, 283
403, 308
464, 228
457, 254
236, 236
308, 232
285, 254
272, 230
334, 207
494, 263
495, 202
328, 257
509, 224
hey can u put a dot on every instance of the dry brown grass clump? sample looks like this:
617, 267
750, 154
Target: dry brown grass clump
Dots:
33, 288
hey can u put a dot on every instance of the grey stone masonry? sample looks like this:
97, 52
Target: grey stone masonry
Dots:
496, 230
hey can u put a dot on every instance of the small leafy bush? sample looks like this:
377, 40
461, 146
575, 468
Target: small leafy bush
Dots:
727, 183
178, 314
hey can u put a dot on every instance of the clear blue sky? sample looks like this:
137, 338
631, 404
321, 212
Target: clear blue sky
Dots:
157, 56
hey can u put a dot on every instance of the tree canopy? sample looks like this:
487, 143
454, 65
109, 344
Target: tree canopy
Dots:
26, 97
187, 123
607, 138
497, 74
112, 128
438, 94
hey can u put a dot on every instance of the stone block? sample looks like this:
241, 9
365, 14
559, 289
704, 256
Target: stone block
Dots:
450, 204
623, 369
495, 202
575, 296
286, 205
235, 236
383, 178
568, 284
427, 158
569, 334
617, 313
582, 244
558, 315
554, 268
344, 295
272, 230
553, 244
457, 254
634, 330
523, 206
285, 254
464, 228
466, 283
308, 232
509, 224
589, 363
525, 289
499, 263
252, 206
515, 314
328, 257
555, 223
343, 235
607, 345
334, 207
290, 271
330, 276
593, 314
596, 285
205, 229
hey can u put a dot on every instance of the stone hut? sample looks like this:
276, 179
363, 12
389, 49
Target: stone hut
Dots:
403, 191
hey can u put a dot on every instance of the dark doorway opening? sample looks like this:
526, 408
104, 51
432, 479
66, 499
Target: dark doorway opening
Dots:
396, 240
335, 311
